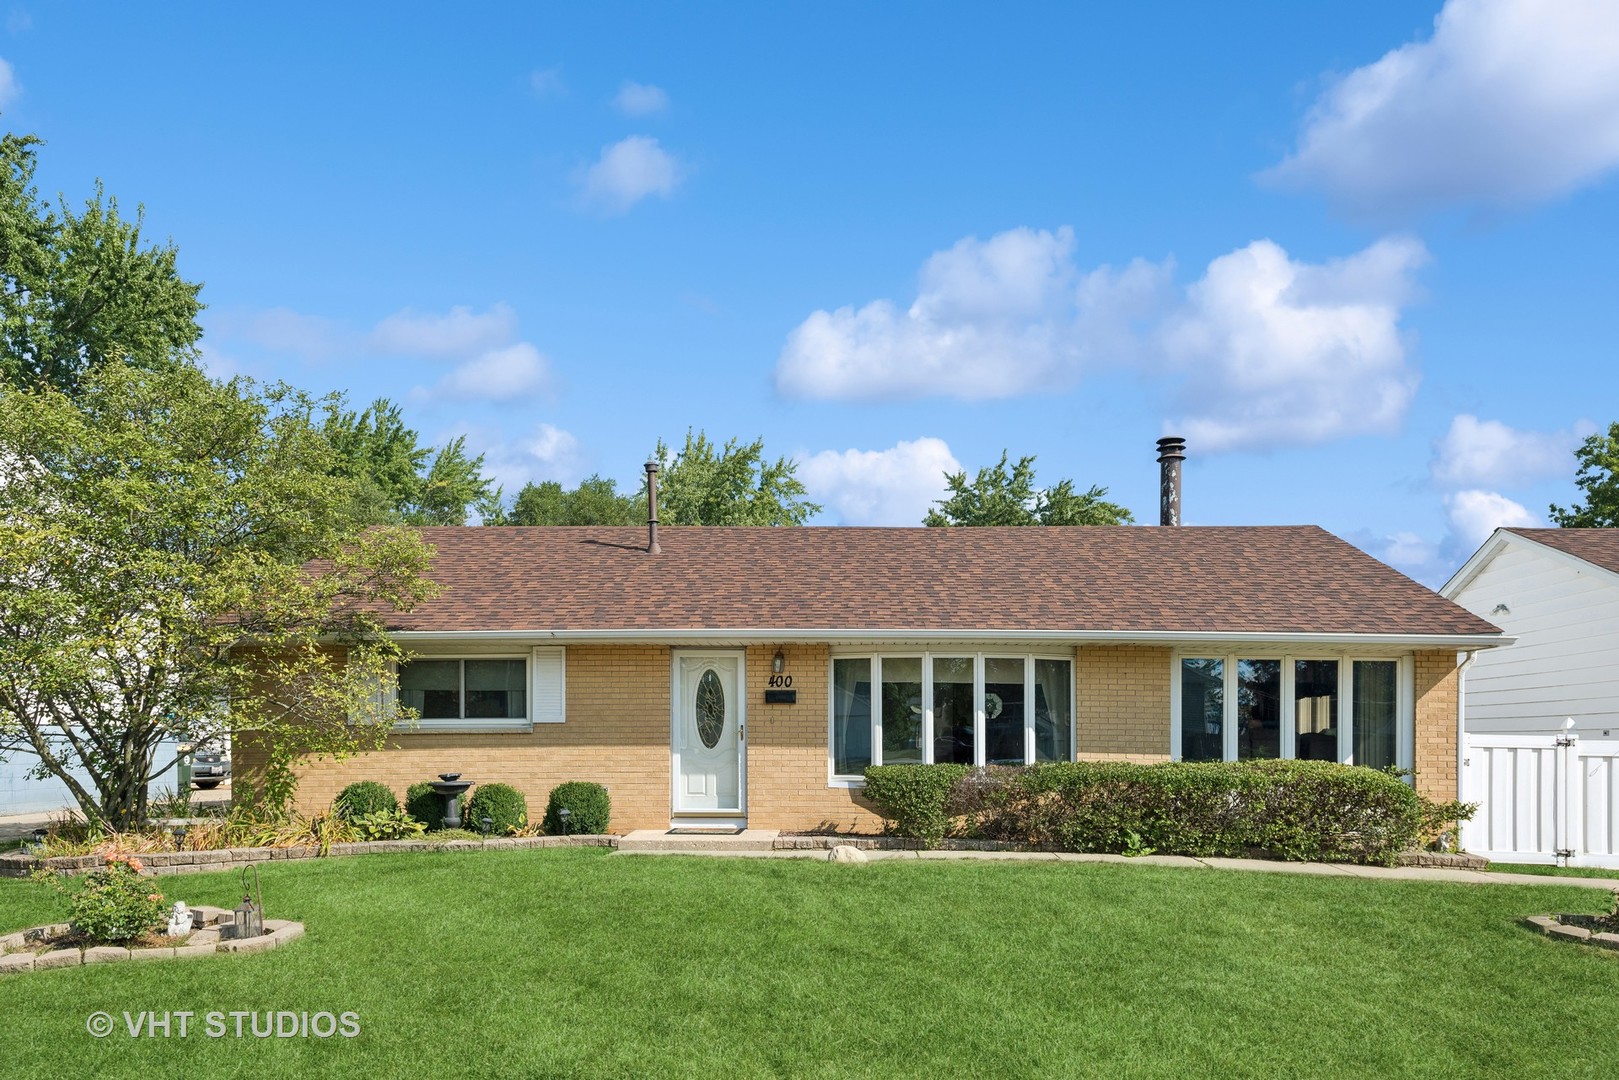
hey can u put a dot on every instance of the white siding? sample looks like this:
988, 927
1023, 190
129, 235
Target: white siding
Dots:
1565, 663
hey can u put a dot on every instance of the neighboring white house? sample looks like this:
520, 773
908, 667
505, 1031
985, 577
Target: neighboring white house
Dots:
1541, 752
1557, 592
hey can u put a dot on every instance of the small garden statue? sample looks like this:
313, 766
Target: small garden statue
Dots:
180, 920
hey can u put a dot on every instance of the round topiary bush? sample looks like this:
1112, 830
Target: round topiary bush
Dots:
364, 797
588, 809
427, 806
502, 804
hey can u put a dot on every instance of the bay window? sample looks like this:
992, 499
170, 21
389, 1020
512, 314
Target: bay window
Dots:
950, 706
1239, 708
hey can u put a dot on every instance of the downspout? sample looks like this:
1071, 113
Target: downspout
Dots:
1461, 722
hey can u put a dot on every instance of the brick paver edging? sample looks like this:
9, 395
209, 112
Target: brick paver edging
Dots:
16, 955
813, 842
190, 862
1554, 926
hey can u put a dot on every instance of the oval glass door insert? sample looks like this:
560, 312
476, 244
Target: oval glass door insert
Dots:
710, 709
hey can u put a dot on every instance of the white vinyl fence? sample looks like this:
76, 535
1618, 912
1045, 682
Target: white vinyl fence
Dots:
1543, 798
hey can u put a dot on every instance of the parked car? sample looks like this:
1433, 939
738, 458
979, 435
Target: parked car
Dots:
209, 769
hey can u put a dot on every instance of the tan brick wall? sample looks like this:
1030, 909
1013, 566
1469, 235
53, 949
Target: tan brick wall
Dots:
616, 734
1122, 711
787, 749
1435, 684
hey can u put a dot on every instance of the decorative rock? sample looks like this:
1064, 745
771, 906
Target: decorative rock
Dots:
847, 853
105, 954
58, 958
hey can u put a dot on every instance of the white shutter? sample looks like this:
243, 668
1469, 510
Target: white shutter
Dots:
549, 685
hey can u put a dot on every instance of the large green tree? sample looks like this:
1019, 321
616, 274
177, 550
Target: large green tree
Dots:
79, 288
1002, 495
399, 480
705, 484
1598, 478
595, 501
180, 557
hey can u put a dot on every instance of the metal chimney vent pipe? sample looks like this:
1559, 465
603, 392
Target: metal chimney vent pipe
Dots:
652, 508
1171, 452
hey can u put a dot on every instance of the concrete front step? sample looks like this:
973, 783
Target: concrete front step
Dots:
648, 840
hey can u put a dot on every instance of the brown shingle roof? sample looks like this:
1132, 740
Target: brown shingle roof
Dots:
1281, 580
1599, 547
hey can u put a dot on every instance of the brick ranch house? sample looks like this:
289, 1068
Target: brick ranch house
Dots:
729, 676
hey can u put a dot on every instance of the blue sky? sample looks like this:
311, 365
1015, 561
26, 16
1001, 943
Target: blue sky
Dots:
1361, 255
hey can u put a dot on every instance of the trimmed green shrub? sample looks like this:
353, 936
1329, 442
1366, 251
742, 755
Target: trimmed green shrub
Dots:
364, 797
1301, 810
912, 798
427, 806
589, 809
503, 804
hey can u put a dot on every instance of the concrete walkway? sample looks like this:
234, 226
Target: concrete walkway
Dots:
14, 826
761, 844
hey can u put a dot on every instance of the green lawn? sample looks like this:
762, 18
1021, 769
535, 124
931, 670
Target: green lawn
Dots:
1543, 870
575, 963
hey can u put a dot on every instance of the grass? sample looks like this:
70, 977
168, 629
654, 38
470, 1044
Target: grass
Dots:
573, 963
1543, 870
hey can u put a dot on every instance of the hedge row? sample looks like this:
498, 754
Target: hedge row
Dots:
1299, 810
503, 804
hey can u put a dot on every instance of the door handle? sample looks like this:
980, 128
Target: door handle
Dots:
741, 732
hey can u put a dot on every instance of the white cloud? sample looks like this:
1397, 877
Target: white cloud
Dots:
1473, 515
309, 337
218, 365
457, 333
1281, 352
629, 171
547, 82
549, 453
499, 375
992, 318
1509, 102
1475, 452
1264, 349
896, 486
10, 88
640, 99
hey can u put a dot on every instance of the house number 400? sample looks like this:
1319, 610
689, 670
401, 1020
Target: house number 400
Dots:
782, 681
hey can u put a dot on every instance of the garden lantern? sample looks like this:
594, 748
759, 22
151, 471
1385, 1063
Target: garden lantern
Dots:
179, 837
488, 823
564, 814
250, 916
39, 836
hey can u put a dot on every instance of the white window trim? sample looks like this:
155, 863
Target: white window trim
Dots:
844, 780
473, 725
1404, 709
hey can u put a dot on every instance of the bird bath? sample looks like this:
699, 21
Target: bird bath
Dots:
452, 787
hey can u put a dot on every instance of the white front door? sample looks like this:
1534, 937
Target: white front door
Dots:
709, 731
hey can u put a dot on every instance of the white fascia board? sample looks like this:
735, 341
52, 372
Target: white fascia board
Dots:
1077, 637
1479, 560
1503, 537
